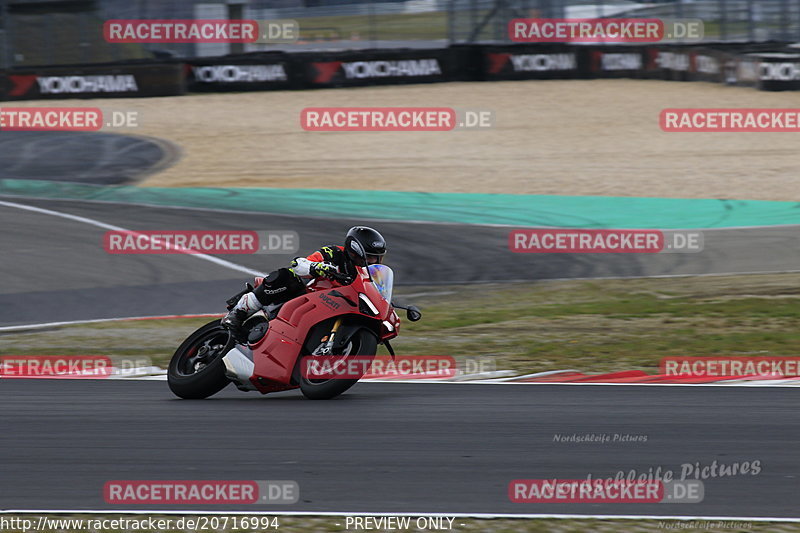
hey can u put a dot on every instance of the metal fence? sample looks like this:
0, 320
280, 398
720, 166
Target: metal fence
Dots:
33, 32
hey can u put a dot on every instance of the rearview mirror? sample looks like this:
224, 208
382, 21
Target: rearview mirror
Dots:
413, 313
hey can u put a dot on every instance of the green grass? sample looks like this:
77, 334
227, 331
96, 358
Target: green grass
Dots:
434, 25
593, 326
380, 27
613, 325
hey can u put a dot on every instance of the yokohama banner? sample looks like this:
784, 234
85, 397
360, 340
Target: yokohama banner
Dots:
532, 62
250, 72
616, 62
374, 67
688, 64
668, 63
153, 79
778, 71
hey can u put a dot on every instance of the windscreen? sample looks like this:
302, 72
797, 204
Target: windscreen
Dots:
383, 278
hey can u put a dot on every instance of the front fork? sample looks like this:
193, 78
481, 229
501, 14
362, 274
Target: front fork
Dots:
327, 348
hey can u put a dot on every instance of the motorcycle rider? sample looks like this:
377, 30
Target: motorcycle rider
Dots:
333, 262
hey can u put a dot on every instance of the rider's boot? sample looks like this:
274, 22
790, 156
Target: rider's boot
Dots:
244, 309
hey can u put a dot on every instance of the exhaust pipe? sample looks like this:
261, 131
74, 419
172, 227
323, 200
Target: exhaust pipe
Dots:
238, 368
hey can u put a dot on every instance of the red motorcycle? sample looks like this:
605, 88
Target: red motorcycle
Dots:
340, 318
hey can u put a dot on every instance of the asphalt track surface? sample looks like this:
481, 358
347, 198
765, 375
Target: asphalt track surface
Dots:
416, 448
55, 269
97, 158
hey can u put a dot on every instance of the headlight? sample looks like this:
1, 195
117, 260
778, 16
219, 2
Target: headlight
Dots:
366, 306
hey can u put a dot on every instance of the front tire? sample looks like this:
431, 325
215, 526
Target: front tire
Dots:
196, 370
363, 342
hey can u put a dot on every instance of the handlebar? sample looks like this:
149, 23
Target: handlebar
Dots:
344, 279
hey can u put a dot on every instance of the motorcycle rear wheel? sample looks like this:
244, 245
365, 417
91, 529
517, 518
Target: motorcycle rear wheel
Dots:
194, 376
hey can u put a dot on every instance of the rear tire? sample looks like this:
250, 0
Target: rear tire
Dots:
193, 377
363, 343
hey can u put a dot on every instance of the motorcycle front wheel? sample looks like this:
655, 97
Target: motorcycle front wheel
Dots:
361, 343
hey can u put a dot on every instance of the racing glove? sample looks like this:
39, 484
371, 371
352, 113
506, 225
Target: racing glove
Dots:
319, 270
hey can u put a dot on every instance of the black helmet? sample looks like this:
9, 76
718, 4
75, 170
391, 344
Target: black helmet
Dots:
363, 241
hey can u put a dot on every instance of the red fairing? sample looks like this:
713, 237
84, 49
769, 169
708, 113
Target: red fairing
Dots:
276, 353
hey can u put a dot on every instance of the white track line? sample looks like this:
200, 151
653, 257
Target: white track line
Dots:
24, 327
539, 374
452, 515
103, 225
